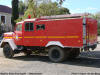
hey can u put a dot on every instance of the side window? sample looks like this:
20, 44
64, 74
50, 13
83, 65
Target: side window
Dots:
29, 27
19, 27
40, 27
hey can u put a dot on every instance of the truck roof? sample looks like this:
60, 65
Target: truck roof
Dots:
33, 19
19, 22
26, 20
57, 17
78, 15
30, 19
40, 19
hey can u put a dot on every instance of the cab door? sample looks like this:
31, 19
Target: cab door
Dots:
28, 33
18, 35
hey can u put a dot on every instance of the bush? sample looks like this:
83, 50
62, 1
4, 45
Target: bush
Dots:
2, 29
98, 28
98, 31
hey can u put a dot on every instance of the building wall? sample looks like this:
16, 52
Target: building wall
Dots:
7, 24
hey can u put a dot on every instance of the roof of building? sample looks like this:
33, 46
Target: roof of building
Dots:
5, 9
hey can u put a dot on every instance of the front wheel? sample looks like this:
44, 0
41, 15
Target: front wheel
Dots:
56, 54
7, 51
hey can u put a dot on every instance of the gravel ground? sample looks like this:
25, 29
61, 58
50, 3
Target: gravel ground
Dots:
86, 63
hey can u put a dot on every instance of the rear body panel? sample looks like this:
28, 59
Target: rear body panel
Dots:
70, 28
68, 32
91, 29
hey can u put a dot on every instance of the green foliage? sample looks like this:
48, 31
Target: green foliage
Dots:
15, 11
98, 31
60, 1
63, 10
44, 9
98, 27
52, 9
31, 9
97, 17
19, 19
22, 7
2, 30
48, 9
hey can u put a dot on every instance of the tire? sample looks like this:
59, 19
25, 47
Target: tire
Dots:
74, 53
56, 54
7, 51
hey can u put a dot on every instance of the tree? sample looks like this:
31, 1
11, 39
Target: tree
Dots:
60, 1
52, 9
48, 9
37, 2
45, 9
22, 7
15, 12
63, 10
33, 6
32, 9
97, 17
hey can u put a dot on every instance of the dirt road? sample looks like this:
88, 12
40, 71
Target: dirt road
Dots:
87, 62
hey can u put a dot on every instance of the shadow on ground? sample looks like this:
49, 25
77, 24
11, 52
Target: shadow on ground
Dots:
86, 59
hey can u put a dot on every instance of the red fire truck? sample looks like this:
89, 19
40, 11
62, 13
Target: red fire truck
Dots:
60, 38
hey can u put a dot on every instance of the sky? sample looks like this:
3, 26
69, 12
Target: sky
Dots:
75, 6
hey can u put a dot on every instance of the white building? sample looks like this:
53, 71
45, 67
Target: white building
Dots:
5, 17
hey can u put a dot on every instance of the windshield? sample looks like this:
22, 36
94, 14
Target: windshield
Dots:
19, 27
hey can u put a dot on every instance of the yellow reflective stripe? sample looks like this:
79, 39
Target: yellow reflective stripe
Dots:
11, 37
8, 37
19, 37
56, 36
46, 37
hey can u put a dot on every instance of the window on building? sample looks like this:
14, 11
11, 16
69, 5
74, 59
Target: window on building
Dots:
29, 26
3, 19
40, 27
19, 27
